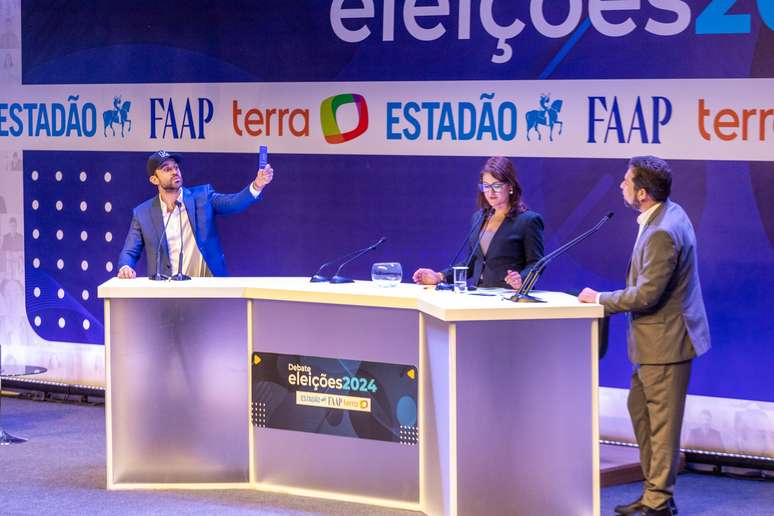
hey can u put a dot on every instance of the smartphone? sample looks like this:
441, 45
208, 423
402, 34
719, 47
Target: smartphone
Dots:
263, 156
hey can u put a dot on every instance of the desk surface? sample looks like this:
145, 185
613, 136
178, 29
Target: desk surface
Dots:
444, 305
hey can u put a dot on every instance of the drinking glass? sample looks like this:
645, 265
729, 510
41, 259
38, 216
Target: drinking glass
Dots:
386, 274
460, 279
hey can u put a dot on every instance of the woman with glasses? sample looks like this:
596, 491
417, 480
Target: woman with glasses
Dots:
507, 239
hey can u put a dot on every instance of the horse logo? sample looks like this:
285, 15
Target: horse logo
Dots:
118, 115
547, 115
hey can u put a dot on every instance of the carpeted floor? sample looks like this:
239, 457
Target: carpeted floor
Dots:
61, 471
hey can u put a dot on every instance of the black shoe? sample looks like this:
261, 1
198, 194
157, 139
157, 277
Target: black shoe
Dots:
629, 508
664, 510
636, 505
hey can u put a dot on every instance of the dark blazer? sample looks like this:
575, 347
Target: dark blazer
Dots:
202, 204
667, 319
517, 245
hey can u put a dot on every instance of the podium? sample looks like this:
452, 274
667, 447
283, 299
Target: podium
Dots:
507, 393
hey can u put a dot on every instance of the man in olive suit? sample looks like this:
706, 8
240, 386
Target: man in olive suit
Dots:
667, 327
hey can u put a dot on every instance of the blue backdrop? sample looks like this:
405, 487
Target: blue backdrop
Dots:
323, 205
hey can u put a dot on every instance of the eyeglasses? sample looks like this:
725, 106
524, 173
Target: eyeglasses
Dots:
495, 187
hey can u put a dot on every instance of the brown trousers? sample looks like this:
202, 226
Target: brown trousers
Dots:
656, 405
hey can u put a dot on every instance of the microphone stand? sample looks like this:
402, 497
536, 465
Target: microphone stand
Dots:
180, 276
485, 213
488, 213
336, 279
158, 276
319, 278
522, 296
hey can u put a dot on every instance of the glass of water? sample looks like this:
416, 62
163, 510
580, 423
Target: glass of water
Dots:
386, 274
460, 279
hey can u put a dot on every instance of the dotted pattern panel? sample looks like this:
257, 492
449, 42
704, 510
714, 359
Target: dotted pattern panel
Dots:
259, 414
77, 209
409, 435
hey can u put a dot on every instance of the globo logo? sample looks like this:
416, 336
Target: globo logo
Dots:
330, 124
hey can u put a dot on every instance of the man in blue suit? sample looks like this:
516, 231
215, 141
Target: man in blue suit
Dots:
188, 214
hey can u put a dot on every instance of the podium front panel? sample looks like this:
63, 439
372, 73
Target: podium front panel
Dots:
507, 418
337, 465
525, 406
178, 400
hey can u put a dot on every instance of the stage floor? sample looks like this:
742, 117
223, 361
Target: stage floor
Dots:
61, 470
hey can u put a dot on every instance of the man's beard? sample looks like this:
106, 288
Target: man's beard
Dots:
635, 204
170, 187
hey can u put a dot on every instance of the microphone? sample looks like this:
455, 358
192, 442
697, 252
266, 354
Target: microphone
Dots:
341, 279
158, 276
522, 295
319, 278
485, 214
180, 276
488, 213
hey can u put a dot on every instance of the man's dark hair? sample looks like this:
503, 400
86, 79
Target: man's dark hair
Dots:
654, 175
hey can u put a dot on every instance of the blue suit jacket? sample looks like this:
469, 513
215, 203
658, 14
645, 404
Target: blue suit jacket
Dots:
202, 204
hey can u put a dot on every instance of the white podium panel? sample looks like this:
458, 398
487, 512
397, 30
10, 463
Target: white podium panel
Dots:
507, 393
521, 414
177, 397
437, 418
335, 465
507, 426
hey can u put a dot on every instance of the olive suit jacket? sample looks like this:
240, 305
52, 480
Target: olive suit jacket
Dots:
667, 319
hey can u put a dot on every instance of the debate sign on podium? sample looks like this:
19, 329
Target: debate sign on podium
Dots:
349, 398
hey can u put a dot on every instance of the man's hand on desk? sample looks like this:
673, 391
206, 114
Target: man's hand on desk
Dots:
126, 272
588, 296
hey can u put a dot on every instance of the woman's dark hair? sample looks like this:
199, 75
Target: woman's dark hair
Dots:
503, 170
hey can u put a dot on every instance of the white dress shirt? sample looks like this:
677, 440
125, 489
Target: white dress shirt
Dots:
644, 217
193, 261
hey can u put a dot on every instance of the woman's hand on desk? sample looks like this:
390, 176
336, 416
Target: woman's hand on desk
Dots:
513, 279
427, 277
